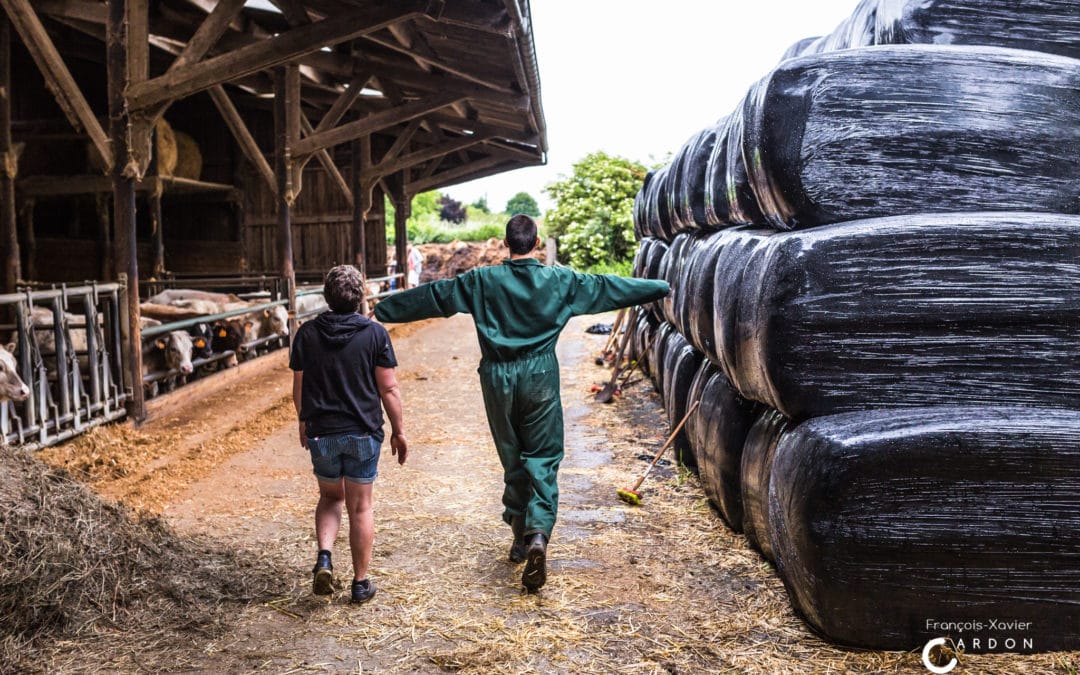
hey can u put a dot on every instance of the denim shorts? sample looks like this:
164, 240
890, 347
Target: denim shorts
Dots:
353, 456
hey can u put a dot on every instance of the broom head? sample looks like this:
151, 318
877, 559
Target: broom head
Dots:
630, 497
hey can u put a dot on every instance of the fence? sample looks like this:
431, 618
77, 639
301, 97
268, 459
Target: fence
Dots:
68, 354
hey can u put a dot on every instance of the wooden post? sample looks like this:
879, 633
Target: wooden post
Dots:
358, 236
286, 131
105, 243
402, 206
9, 220
157, 268
29, 241
127, 263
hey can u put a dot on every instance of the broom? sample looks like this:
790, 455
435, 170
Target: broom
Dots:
631, 495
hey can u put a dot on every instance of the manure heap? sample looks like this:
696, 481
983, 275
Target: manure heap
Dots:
875, 272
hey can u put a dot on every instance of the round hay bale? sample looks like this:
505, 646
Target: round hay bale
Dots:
755, 474
189, 160
165, 147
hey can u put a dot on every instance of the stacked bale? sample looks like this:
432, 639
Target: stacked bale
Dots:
875, 287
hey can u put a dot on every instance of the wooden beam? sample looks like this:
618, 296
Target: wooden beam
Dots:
9, 168
449, 68
57, 76
140, 128
450, 176
374, 122
294, 12
242, 135
328, 164
195, 77
343, 102
390, 167
82, 10
412, 78
402, 140
208, 33
359, 245
127, 261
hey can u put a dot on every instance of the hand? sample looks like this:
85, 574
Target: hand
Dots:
399, 447
303, 435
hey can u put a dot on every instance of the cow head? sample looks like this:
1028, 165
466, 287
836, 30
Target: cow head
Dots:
276, 319
202, 336
229, 335
11, 385
177, 347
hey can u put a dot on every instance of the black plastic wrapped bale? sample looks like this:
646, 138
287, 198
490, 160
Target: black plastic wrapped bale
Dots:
690, 283
857, 30
643, 330
736, 246
803, 46
892, 524
699, 293
693, 187
894, 130
754, 473
681, 363
719, 434
656, 356
1051, 26
671, 190
978, 308
729, 198
675, 260
640, 212
654, 264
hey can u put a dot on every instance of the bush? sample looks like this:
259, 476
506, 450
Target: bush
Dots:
593, 218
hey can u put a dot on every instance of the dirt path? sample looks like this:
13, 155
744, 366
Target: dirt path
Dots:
660, 588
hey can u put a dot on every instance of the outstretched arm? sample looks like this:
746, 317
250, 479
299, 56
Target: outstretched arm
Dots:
435, 299
595, 293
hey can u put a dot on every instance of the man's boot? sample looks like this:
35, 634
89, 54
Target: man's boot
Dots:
517, 549
535, 574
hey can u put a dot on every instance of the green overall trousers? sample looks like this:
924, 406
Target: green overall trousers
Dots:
519, 309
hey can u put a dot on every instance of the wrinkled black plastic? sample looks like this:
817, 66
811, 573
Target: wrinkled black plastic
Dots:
754, 474
884, 521
717, 433
736, 246
980, 308
892, 130
656, 357
681, 362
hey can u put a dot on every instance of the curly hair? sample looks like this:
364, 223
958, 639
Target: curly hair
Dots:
344, 289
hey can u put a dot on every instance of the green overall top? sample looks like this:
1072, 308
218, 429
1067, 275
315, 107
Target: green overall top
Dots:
521, 306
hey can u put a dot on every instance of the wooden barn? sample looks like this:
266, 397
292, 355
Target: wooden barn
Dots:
151, 140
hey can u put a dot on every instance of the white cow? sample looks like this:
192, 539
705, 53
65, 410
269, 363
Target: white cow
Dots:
170, 352
12, 388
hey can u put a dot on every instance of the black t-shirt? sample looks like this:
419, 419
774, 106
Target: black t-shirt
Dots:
338, 354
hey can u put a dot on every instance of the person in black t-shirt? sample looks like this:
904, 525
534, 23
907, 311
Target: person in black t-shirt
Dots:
343, 367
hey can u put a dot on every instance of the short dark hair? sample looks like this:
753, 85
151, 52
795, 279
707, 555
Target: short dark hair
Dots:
344, 289
521, 234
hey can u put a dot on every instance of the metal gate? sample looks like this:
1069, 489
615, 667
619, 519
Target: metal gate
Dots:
68, 354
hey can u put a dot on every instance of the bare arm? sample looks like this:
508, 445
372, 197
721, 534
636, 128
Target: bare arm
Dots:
390, 394
297, 389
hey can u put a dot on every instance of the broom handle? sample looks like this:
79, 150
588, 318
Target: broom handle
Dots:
670, 439
614, 332
638, 360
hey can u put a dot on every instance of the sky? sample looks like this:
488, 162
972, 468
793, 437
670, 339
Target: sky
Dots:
636, 79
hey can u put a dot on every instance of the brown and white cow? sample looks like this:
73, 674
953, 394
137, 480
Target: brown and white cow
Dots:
12, 388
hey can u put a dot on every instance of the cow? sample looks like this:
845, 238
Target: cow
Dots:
169, 353
202, 339
174, 295
275, 321
12, 388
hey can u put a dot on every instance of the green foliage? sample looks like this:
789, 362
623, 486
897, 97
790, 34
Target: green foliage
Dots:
593, 214
623, 268
480, 205
523, 202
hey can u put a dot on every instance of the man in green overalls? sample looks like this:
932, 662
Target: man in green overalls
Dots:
519, 308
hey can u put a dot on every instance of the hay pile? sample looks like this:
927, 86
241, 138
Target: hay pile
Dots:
85, 584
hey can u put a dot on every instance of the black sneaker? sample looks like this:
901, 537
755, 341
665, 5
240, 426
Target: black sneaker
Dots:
323, 575
535, 574
362, 591
517, 549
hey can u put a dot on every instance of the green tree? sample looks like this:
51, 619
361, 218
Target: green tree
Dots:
481, 205
593, 215
523, 202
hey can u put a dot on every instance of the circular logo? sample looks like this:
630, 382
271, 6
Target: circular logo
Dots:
940, 670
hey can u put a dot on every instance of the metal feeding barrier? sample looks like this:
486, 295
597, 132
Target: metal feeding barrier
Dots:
245, 349
67, 351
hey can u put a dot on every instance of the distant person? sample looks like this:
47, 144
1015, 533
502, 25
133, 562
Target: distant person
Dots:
343, 366
416, 263
519, 308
